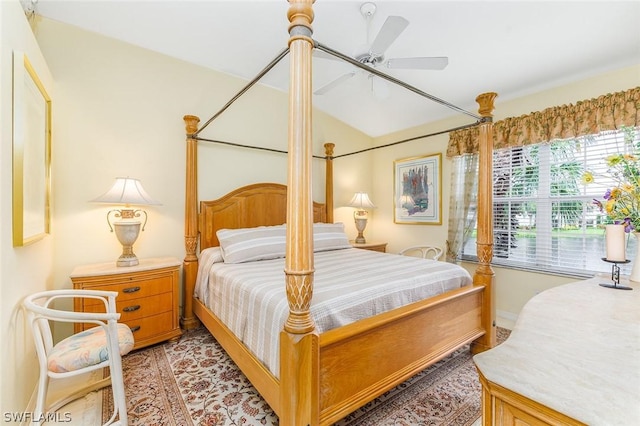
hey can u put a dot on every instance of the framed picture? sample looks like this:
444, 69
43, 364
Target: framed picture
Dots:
418, 190
31, 153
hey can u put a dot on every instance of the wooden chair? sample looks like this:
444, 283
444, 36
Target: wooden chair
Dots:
92, 349
426, 252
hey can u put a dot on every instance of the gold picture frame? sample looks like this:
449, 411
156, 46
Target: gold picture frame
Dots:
31, 154
418, 190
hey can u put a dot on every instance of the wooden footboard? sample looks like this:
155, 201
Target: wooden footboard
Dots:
360, 361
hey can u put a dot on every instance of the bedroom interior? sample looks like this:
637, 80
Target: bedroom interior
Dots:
79, 78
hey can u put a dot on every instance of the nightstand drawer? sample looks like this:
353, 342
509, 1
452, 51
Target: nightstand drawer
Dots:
137, 308
149, 327
133, 289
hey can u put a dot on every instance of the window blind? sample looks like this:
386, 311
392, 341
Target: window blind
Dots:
545, 218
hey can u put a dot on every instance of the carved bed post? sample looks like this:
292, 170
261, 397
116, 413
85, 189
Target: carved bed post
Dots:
328, 185
484, 274
190, 264
299, 348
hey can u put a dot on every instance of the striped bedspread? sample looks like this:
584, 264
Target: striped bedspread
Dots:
349, 284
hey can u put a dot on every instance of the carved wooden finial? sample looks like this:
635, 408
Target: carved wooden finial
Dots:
300, 13
191, 123
485, 100
328, 149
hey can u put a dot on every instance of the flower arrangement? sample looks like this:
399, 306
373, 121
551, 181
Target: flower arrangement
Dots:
621, 202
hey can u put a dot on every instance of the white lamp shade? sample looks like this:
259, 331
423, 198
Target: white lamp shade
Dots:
361, 201
126, 191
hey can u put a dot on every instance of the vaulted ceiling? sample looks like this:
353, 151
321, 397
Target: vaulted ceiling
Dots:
510, 47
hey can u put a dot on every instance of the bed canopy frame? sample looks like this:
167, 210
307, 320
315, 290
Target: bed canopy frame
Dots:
311, 389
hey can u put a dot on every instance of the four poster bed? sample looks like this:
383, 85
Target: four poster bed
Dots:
321, 369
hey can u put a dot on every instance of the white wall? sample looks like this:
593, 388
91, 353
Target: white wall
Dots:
513, 288
23, 270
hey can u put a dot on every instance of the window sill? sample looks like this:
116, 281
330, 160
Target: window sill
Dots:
565, 274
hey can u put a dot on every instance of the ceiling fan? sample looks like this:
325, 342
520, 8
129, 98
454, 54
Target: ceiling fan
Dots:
374, 54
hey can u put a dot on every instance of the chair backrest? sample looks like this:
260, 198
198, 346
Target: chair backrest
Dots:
425, 252
41, 314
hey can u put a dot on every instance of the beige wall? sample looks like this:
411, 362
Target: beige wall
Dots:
23, 270
513, 288
119, 112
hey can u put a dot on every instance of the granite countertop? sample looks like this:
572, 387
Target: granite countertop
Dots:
576, 349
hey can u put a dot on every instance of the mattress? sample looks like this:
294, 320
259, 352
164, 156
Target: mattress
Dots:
349, 284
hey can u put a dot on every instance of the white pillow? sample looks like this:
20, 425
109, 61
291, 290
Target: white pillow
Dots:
329, 236
249, 244
269, 242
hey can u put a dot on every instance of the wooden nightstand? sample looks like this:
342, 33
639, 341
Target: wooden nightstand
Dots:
147, 296
371, 246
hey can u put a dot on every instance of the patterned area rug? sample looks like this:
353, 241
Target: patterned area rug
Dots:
193, 381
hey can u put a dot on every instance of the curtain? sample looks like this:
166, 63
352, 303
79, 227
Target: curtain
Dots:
607, 112
463, 201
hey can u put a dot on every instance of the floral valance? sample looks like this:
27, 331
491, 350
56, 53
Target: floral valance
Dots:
607, 112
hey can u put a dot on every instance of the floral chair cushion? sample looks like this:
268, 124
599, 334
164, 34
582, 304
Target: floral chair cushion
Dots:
86, 348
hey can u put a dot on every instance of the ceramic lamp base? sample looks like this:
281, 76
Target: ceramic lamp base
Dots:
361, 224
127, 261
127, 233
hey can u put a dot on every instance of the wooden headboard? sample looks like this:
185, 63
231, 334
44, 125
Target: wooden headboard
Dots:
260, 204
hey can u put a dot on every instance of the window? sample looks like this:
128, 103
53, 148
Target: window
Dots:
545, 218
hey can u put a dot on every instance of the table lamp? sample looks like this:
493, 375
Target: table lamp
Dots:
361, 202
126, 191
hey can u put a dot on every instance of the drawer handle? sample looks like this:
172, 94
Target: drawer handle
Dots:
135, 328
131, 289
131, 308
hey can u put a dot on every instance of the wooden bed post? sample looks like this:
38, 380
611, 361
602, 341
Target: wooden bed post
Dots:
190, 264
328, 185
484, 274
299, 347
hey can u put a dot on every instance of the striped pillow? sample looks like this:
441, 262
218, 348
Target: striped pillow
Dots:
329, 236
269, 242
249, 244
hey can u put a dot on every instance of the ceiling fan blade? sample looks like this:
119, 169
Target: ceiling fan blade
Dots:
332, 84
419, 63
391, 29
